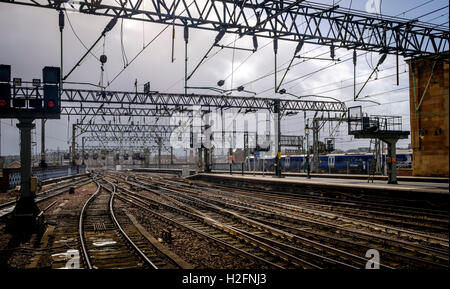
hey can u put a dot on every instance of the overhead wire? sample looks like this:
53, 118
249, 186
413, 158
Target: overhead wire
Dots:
348, 79
76, 35
145, 47
328, 66
432, 12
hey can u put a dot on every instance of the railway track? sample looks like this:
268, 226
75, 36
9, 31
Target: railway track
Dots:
109, 240
428, 257
7, 208
301, 208
278, 240
218, 233
391, 214
407, 217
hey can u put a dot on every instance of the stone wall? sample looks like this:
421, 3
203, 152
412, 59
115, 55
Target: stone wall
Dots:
429, 112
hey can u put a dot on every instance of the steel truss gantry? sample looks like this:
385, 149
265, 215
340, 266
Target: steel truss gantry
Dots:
141, 129
125, 140
123, 103
309, 22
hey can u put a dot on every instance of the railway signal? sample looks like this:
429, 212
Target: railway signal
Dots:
5, 87
51, 99
5, 96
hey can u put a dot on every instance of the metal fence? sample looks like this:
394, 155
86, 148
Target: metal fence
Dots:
11, 176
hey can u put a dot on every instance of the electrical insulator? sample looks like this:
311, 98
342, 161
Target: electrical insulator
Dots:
299, 47
61, 20
383, 57
332, 51
354, 57
110, 25
219, 36
275, 45
255, 43
186, 33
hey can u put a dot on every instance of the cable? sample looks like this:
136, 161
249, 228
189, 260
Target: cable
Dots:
76, 35
340, 81
434, 11
142, 50
409, 10
124, 55
384, 77
260, 78
437, 17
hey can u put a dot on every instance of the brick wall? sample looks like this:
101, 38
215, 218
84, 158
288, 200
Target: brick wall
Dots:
429, 118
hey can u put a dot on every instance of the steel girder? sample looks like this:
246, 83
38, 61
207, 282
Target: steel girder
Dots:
124, 139
115, 111
285, 20
127, 103
113, 148
127, 128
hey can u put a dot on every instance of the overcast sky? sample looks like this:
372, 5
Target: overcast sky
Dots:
30, 41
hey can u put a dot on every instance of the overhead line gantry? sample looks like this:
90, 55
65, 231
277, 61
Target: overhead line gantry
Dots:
310, 22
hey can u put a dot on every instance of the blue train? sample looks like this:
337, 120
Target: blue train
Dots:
331, 163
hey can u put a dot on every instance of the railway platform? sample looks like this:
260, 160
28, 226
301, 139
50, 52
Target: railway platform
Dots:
361, 177
344, 176
336, 182
434, 192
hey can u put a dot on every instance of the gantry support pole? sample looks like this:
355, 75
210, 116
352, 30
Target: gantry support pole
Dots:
146, 158
43, 162
207, 147
277, 115
74, 129
315, 167
159, 152
82, 151
26, 210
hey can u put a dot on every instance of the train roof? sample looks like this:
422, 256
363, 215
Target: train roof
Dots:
399, 152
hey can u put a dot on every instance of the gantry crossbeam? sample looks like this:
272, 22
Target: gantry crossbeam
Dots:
285, 20
110, 102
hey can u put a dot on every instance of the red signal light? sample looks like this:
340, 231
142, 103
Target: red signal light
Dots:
51, 104
2, 102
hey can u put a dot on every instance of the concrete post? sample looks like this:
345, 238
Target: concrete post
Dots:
392, 161
25, 126
26, 209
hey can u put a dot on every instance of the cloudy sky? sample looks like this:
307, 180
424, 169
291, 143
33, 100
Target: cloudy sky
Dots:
30, 41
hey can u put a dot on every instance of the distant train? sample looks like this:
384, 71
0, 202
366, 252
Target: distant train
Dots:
333, 163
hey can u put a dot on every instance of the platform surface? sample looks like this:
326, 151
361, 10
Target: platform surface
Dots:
426, 187
314, 175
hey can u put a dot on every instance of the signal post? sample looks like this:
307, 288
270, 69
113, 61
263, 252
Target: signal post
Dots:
41, 103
